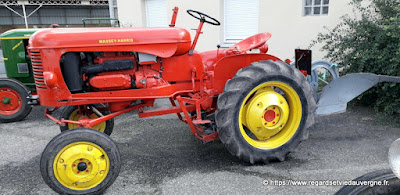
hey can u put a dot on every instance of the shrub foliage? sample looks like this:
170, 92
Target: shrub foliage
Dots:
369, 41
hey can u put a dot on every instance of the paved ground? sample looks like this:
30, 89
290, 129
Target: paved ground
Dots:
159, 155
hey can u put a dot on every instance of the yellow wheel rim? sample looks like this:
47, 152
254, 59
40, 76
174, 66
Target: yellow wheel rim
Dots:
76, 116
272, 118
81, 166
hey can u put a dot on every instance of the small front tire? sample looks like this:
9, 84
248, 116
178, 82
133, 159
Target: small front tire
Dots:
80, 161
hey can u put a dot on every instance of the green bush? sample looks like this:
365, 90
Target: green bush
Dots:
369, 42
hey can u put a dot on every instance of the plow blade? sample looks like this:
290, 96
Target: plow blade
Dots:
339, 92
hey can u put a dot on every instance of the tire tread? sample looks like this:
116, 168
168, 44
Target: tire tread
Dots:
229, 98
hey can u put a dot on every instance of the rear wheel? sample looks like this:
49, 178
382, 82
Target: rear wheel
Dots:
264, 111
80, 161
13, 101
74, 114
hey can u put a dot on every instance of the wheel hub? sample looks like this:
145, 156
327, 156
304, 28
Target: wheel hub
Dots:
10, 101
269, 115
266, 113
81, 166
6, 101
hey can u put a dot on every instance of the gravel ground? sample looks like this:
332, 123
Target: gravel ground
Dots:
160, 156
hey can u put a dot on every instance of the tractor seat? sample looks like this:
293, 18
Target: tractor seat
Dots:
249, 43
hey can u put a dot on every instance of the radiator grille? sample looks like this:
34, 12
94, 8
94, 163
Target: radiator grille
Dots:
37, 68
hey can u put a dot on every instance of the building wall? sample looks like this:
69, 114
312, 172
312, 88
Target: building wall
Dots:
284, 19
50, 14
291, 30
65, 13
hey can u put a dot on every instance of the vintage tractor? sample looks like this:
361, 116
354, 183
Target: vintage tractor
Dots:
258, 105
15, 88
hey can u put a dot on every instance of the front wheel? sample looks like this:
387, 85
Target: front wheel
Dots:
80, 161
264, 111
13, 101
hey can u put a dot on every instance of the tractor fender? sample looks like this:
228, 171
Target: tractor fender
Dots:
227, 67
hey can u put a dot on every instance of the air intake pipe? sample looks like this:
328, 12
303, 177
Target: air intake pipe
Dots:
70, 67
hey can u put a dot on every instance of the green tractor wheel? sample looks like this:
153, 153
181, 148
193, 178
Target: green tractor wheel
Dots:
13, 100
73, 113
264, 111
80, 161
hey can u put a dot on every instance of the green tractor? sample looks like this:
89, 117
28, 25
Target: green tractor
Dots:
14, 90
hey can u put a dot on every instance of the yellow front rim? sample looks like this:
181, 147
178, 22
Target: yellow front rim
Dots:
81, 166
268, 119
76, 116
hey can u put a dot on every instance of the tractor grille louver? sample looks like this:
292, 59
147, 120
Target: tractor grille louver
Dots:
37, 68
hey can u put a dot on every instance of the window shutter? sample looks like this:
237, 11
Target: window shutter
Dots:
241, 19
156, 13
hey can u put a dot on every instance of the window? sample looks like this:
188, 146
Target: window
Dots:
316, 7
156, 13
240, 19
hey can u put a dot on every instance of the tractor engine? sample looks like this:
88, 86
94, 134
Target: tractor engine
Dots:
105, 71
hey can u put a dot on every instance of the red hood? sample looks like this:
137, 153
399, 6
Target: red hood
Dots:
173, 41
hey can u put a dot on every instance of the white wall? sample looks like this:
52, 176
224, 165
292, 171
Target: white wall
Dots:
284, 19
132, 14
291, 30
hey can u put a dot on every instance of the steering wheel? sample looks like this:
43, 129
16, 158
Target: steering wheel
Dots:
202, 17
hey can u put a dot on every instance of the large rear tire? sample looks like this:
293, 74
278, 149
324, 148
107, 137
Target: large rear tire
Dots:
264, 111
80, 161
13, 100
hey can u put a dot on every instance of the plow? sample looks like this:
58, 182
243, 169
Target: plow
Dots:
257, 104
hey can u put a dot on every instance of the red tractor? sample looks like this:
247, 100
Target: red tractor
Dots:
258, 105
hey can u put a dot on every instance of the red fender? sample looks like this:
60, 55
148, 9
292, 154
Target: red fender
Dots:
227, 67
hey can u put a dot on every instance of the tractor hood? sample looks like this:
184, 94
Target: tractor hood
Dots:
163, 42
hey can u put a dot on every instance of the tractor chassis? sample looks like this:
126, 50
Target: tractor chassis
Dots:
193, 103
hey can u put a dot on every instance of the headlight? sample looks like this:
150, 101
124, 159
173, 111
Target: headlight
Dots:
50, 79
394, 157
